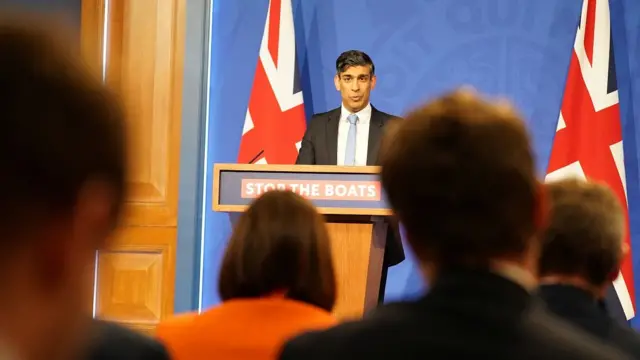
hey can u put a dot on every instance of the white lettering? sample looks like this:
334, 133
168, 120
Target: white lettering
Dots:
305, 189
249, 189
328, 190
313, 190
353, 191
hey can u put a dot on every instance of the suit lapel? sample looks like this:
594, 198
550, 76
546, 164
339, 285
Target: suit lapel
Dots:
332, 136
375, 135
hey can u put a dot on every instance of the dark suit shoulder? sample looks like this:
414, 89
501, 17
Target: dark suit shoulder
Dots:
625, 339
113, 341
318, 120
372, 337
328, 344
383, 115
336, 111
553, 336
577, 307
325, 115
405, 330
387, 116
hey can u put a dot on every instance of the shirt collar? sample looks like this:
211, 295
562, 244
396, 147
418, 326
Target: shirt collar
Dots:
364, 115
516, 274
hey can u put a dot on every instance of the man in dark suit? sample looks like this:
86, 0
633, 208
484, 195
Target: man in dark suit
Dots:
582, 250
111, 341
459, 173
62, 155
351, 134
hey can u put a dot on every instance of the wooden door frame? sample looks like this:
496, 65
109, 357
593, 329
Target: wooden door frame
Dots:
91, 32
195, 34
192, 182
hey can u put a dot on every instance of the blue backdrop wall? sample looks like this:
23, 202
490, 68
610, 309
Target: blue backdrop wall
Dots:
516, 48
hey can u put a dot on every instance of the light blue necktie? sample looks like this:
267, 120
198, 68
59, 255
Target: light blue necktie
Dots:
350, 150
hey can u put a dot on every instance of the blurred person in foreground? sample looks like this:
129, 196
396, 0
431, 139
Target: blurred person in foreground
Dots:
62, 155
276, 281
460, 176
110, 341
582, 250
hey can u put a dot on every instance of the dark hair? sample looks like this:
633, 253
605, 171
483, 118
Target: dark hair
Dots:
459, 173
60, 127
279, 244
585, 231
353, 58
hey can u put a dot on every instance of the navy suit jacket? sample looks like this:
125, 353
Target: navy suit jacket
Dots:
613, 307
581, 309
320, 147
465, 315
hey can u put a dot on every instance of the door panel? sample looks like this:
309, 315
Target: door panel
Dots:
143, 63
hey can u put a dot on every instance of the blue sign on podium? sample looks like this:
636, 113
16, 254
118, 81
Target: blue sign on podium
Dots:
333, 189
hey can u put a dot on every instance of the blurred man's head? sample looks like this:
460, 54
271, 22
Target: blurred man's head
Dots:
62, 155
459, 173
355, 78
584, 242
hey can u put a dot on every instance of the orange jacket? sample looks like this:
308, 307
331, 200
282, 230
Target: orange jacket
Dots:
240, 329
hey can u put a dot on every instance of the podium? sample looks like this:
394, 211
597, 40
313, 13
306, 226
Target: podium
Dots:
354, 207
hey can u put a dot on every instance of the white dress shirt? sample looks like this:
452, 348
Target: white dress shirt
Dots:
362, 135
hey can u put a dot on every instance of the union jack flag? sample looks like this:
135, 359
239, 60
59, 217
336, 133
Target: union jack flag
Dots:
275, 121
588, 140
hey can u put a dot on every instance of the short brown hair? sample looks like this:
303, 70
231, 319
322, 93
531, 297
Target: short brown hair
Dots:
280, 244
585, 233
60, 127
459, 173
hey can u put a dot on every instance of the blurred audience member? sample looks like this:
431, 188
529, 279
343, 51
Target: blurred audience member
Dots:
582, 250
460, 175
276, 281
62, 155
113, 342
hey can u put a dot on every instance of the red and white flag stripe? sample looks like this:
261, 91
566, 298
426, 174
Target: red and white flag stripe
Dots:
588, 141
275, 121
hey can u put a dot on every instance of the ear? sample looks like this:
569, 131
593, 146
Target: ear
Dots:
336, 81
374, 79
94, 215
624, 249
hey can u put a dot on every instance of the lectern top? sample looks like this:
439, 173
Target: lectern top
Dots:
343, 190
298, 168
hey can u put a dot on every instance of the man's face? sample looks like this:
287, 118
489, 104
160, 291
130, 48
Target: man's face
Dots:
355, 84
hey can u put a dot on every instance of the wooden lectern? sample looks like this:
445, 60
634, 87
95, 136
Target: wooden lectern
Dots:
354, 207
